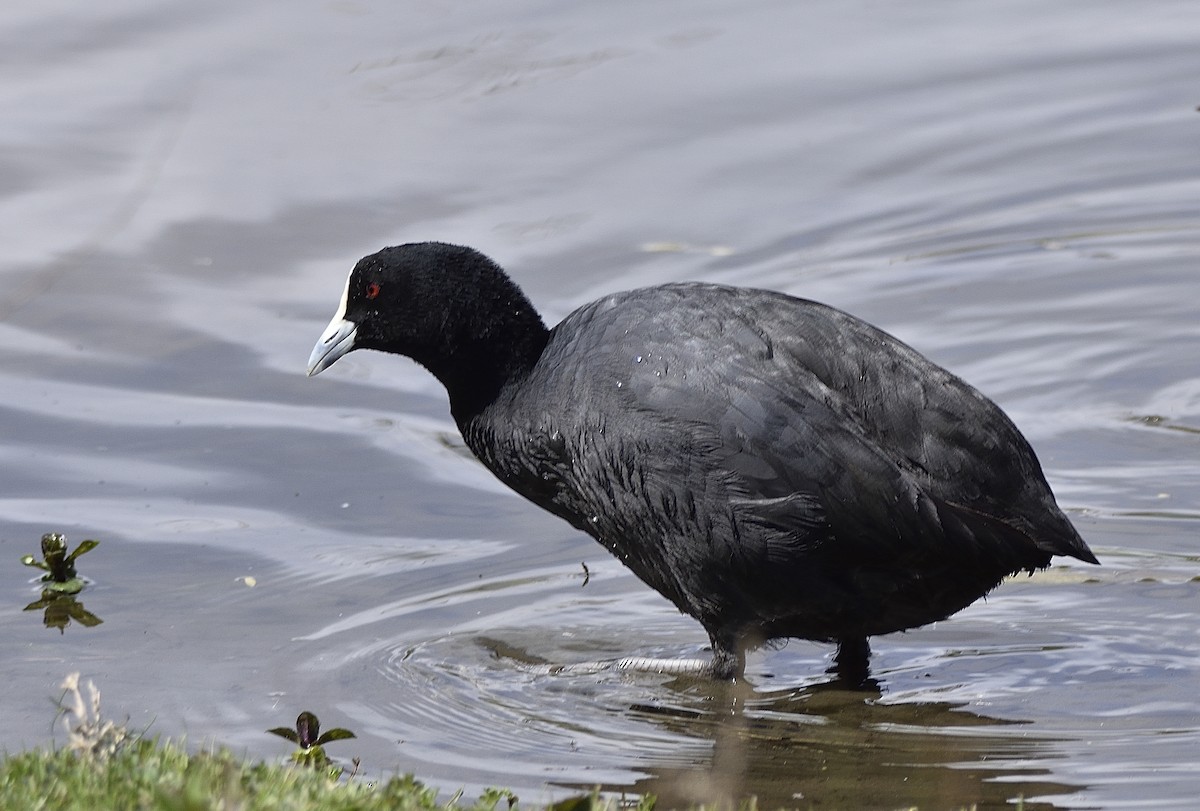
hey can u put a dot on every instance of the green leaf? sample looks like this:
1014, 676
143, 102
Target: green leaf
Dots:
285, 732
30, 560
313, 756
335, 734
86, 546
72, 586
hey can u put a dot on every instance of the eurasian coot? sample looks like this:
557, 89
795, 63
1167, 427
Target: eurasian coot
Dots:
772, 466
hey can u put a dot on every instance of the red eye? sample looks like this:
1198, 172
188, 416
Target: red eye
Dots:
372, 289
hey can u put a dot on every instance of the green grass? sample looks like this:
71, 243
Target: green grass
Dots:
163, 776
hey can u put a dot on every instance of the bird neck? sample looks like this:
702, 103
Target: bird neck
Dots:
476, 366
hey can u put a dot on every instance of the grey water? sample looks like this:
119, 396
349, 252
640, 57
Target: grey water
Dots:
1011, 187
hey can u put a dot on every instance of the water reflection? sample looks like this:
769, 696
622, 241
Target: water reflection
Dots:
826, 745
58, 610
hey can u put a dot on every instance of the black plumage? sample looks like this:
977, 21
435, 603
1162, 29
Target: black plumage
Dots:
771, 465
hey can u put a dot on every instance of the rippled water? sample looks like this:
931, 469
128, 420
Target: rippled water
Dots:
1011, 188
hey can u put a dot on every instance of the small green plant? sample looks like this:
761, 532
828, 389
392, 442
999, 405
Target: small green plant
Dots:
309, 739
59, 567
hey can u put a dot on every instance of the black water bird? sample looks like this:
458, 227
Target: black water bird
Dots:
773, 466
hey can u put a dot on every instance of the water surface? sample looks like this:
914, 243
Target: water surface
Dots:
1012, 189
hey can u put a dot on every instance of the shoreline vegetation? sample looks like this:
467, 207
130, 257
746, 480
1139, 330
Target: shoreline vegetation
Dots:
104, 765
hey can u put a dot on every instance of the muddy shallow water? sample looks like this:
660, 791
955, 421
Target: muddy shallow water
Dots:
1010, 189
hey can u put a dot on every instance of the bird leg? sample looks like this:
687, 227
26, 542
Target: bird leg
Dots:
729, 656
851, 663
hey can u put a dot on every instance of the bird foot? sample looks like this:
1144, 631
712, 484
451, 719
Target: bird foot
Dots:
635, 664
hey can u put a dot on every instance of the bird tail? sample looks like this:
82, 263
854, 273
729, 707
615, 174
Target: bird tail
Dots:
1018, 547
1067, 541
